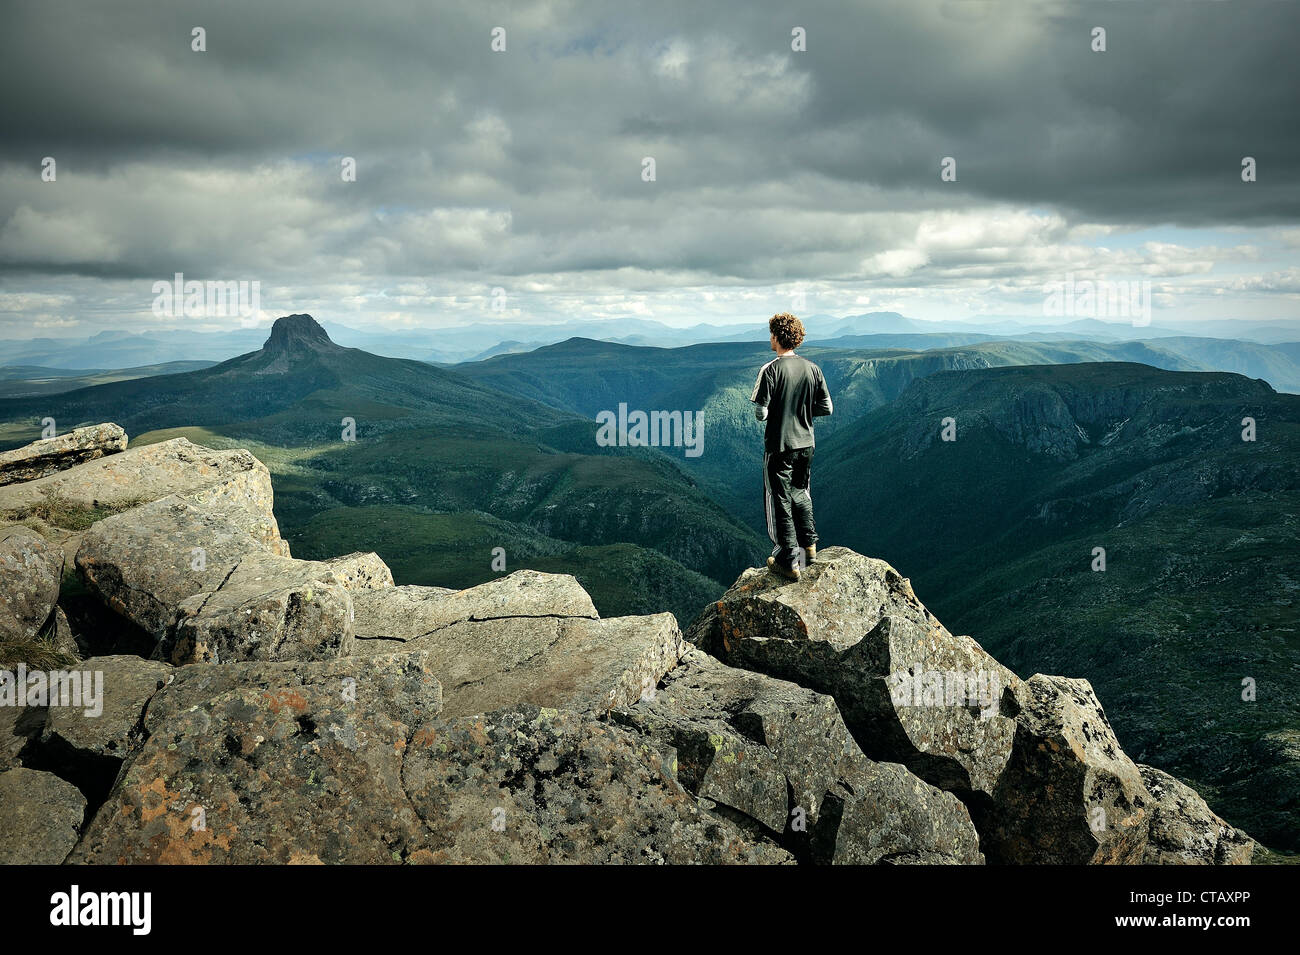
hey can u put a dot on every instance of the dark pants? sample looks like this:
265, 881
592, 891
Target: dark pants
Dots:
786, 479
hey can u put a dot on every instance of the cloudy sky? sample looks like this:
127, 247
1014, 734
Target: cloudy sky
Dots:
778, 173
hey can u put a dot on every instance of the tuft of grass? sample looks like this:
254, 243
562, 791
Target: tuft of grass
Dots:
37, 652
58, 512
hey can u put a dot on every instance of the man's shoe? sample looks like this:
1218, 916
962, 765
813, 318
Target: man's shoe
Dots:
810, 553
789, 573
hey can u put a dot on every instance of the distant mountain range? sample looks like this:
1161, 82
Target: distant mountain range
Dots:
475, 341
586, 377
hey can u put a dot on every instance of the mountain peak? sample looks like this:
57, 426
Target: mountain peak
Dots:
295, 333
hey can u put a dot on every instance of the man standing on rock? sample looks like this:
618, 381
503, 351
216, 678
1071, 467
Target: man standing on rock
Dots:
789, 393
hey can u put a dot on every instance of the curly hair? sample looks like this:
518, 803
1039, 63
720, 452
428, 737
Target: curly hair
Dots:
787, 329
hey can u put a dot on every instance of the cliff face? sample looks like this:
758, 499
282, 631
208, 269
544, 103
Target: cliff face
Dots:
262, 708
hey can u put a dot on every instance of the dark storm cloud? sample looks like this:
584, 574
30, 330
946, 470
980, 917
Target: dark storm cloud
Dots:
771, 164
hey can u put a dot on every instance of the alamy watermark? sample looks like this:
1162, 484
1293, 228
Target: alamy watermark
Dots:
179, 298
82, 689
653, 429
132, 910
1089, 298
970, 688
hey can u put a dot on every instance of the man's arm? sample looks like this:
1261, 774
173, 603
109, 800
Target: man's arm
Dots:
822, 399
762, 393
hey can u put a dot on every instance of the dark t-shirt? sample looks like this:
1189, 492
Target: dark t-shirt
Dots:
793, 390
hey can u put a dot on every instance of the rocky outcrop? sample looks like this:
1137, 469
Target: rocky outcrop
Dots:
1184, 831
1069, 794
267, 608
268, 763
407, 614
208, 591
1036, 762
42, 815
533, 785
145, 563
910, 691
360, 571
282, 763
780, 756
63, 505
42, 458
524, 638
403, 682
30, 573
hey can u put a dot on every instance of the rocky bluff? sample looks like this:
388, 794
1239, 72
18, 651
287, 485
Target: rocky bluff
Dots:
260, 708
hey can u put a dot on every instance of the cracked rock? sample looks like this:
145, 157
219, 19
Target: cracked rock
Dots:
852, 628
781, 756
42, 458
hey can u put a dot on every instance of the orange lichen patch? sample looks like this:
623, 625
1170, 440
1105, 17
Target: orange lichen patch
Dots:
152, 799
183, 844
425, 736
298, 857
478, 733
285, 698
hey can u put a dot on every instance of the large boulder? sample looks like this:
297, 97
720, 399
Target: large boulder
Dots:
30, 572
530, 785
527, 637
271, 762
244, 499
1184, 830
50, 455
209, 591
42, 816
361, 571
780, 756
910, 691
571, 662
402, 681
1069, 794
145, 562
347, 761
408, 613
267, 608
231, 483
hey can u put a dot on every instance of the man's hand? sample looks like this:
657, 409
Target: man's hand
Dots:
760, 412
